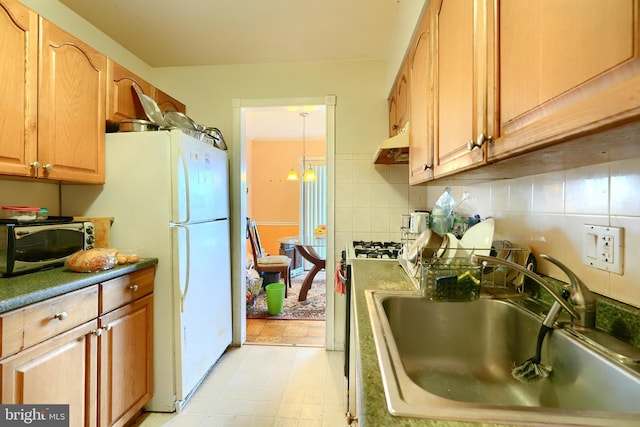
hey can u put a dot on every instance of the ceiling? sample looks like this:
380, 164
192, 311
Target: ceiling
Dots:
166, 33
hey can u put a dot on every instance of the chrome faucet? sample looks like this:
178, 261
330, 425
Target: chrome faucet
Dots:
581, 297
560, 301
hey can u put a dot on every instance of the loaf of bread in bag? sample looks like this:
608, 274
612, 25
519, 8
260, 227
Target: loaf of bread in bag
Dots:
89, 260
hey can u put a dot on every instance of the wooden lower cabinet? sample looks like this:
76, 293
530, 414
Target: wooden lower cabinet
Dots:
60, 370
126, 355
102, 368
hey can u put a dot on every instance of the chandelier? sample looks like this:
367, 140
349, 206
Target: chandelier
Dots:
309, 174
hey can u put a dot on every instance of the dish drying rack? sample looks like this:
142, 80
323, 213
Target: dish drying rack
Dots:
459, 279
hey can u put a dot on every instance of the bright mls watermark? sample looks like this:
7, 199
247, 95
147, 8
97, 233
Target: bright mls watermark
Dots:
34, 415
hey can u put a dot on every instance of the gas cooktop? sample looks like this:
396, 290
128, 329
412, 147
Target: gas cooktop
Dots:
376, 250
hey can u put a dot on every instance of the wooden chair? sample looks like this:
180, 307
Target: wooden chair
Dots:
264, 263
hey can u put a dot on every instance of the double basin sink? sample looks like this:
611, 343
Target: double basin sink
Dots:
453, 361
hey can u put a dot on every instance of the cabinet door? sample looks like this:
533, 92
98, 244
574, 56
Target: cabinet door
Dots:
123, 101
71, 109
402, 95
458, 113
393, 113
421, 121
126, 361
566, 68
399, 102
167, 102
61, 370
18, 91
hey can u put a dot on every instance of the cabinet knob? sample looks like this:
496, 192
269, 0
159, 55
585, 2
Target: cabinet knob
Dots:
107, 328
60, 316
426, 167
35, 165
48, 167
479, 142
133, 287
97, 332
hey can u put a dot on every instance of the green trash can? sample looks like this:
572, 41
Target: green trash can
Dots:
275, 297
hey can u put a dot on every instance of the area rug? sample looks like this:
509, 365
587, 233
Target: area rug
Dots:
313, 308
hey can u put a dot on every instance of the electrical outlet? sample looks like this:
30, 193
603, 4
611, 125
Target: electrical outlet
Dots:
603, 247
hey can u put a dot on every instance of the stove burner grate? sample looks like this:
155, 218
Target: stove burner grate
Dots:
371, 249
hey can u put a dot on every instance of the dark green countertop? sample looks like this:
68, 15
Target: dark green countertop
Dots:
18, 291
381, 275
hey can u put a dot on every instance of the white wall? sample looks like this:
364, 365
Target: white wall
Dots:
30, 193
361, 111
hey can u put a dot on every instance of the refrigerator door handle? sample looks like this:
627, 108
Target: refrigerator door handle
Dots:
183, 294
185, 178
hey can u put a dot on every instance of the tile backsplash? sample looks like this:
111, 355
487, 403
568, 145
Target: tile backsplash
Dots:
370, 199
546, 212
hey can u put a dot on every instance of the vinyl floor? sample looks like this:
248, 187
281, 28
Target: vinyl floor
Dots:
265, 386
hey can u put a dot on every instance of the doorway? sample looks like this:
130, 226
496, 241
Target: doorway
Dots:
268, 157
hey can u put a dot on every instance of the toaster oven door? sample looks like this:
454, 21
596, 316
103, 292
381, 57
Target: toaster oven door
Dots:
35, 247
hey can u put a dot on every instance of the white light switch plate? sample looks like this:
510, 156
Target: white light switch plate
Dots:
603, 247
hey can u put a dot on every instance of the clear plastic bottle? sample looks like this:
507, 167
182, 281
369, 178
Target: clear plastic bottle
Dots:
438, 221
441, 219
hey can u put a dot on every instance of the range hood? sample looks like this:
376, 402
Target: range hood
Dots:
394, 150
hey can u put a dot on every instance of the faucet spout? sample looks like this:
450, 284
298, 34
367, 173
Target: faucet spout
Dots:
483, 259
581, 297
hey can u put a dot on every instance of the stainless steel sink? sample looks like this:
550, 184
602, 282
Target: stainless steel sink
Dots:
453, 360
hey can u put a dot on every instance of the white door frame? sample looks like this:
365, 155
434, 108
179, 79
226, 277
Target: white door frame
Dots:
238, 169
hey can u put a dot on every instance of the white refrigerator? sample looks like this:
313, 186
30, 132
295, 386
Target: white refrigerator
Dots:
169, 195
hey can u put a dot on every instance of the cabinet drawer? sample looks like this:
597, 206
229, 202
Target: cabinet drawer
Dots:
122, 290
26, 326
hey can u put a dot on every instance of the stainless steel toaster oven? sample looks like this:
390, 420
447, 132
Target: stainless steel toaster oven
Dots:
29, 246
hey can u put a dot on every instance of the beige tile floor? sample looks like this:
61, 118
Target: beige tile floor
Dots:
265, 386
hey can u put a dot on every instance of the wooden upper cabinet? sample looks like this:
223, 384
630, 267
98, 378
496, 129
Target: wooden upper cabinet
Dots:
167, 102
19, 87
71, 109
566, 68
393, 113
420, 105
459, 116
403, 87
123, 100
399, 102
